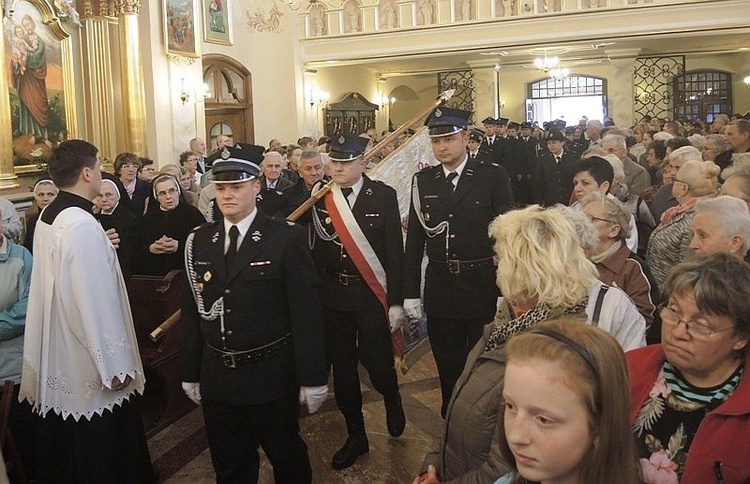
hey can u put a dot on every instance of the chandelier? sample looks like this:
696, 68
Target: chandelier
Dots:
551, 66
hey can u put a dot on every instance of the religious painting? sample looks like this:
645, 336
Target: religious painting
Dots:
217, 21
180, 27
36, 50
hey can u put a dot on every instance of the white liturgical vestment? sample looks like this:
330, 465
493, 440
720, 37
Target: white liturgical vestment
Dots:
79, 328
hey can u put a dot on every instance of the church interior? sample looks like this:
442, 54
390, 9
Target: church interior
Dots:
149, 76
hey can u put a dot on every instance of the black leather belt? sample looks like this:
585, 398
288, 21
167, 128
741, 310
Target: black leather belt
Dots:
346, 279
458, 266
233, 359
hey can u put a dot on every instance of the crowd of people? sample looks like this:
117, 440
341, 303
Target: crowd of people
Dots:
586, 292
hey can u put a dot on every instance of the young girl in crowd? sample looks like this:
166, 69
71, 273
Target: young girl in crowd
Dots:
566, 417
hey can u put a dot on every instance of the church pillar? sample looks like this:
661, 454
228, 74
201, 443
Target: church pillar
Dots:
133, 90
620, 87
8, 178
98, 85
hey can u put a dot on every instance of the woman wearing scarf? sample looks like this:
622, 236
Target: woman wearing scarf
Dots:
617, 265
543, 273
670, 241
113, 215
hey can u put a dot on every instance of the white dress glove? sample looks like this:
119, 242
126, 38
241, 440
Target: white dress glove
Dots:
313, 396
413, 308
396, 317
193, 391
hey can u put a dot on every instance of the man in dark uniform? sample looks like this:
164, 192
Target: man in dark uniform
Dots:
476, 153
358, 234
522, 166
452, 205
553, 173
252, 332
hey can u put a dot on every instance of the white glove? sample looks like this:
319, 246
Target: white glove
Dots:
193, 391
313, 396
413, 308
396, 317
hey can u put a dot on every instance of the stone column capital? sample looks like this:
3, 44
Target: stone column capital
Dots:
125, 7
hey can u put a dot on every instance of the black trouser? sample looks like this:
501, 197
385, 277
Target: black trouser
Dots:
234, 432
351, 337
451, 341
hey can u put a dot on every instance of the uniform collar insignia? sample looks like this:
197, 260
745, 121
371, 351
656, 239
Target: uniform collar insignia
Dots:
256, 236
259, 197
437, 175
368, 191
215, 237
469, 172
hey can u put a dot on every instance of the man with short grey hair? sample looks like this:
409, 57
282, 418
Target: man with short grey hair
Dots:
636, 177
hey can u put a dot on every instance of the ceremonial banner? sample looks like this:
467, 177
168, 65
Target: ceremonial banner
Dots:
396, 171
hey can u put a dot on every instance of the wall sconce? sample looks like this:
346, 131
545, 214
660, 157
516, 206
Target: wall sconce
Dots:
318, 97
198, 94
385, 101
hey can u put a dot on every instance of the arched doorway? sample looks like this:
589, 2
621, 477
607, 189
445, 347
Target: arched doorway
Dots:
230, 111
569, 98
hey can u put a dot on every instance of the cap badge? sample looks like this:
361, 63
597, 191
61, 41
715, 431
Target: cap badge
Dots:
342, 140
225, 153
438, 113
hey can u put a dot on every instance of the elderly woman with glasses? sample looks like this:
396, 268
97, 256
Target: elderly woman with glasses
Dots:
690, 394
163, 230
112, 215
126, 169
617, 265
669, 243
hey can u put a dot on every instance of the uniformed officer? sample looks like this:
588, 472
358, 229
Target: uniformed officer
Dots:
476, 153
452, 205
522, 166
252, 332
553, 172
358, 248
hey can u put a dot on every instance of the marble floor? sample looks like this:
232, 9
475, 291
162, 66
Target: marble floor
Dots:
180, 452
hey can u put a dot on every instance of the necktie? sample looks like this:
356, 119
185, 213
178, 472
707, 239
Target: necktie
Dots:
234, 234
450, 178
557, 159
346, 192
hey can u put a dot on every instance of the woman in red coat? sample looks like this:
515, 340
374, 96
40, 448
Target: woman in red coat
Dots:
690, 394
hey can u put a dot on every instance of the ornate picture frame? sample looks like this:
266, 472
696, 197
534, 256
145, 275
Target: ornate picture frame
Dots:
217, 22
181, 28
41, 82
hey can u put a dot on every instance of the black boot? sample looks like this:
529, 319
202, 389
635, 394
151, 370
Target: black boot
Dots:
394, 415
356, 445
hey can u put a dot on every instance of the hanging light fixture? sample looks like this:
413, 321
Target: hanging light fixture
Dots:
551, 66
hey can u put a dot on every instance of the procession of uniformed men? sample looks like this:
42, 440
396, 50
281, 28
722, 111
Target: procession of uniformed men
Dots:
270, 308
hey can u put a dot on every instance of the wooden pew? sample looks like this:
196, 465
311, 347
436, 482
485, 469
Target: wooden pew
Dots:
152, 300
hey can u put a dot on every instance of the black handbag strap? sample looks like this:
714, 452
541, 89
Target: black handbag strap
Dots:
599, 301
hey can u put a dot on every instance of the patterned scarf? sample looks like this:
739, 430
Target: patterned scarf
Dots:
502, 332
